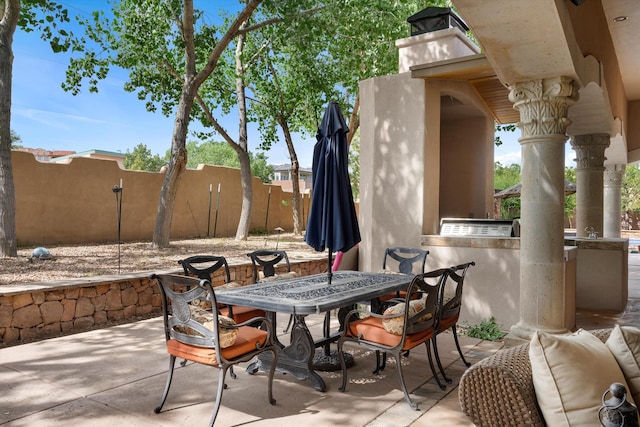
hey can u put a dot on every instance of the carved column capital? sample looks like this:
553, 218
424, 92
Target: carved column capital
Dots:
613, 175
590, 150
543, 105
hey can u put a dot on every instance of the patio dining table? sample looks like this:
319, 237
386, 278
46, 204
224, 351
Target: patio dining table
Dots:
306, 295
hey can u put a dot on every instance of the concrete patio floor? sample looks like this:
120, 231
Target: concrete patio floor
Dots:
115, 377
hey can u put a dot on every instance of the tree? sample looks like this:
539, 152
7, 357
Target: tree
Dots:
15, 140
44, 16
570, 200
141, 159
169, 53
354, 165
631, 189
504, 177
222, 154
284, 91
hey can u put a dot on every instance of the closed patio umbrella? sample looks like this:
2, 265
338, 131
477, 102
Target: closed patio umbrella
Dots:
332, 223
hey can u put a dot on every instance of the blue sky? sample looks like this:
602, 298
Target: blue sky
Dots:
45, 116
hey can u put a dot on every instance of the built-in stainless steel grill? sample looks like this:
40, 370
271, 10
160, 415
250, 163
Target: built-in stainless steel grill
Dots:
478, 227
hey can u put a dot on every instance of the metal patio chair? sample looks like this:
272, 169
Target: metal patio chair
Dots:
449, 305
204, 267
411, 324
206, 337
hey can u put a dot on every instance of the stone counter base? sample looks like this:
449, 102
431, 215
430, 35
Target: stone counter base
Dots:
49, 309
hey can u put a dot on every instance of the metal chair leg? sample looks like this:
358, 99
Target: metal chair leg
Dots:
343, 366
288, 328
221, 387
381, 361
455, 338
165, 393
433, 369
435, 351
413, 405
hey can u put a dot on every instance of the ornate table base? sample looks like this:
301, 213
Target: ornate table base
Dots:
300, 358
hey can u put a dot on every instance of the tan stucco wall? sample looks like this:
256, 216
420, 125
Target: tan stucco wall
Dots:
418, 165
392, 165
74, 203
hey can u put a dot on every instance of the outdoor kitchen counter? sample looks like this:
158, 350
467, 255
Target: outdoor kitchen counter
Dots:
493, 285
472, 242
602, 281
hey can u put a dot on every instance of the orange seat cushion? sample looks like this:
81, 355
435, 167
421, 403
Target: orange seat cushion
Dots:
447, 322
248, 339
242, 314
371, 329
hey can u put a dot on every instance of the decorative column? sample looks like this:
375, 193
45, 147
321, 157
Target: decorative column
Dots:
613, 200
543, 106
589, 181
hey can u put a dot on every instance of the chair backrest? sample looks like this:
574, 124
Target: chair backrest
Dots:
405, 260
203, 266
178, 292
422, 294
266, 260
451, 292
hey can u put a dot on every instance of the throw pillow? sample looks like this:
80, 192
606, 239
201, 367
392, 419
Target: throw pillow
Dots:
624, 343
570, 374
395, 325
281, 276
228, 336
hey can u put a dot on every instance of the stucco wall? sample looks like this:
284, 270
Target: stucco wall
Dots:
74, 202
392, 135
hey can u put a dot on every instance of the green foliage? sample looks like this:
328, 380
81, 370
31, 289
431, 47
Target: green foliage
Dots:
15, 140
505, 177
570, 200
48, 18
354, 165
486, 330
502, 128
631, 189
222, 154
142, 159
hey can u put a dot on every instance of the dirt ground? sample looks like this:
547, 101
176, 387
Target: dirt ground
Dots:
75, 261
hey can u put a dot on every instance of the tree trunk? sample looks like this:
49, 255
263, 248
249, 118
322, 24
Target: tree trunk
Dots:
242, 232
295, 177
177, 165
8, 22
192, 82
354, 120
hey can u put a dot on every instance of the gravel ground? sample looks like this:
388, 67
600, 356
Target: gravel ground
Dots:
98, 259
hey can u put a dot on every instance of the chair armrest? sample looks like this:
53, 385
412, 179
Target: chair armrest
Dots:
498, 391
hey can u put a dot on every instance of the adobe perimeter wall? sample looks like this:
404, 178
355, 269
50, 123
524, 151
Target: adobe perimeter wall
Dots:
48, 309
74, 202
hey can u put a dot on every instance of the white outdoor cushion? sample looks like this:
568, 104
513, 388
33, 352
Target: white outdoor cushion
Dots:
624, 343
570, 374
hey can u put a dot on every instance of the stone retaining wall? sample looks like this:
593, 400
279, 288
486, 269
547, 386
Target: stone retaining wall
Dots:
48, 309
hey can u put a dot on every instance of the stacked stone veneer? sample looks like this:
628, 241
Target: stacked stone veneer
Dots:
48, 309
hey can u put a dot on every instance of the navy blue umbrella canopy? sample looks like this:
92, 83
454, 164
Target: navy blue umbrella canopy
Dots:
332, 223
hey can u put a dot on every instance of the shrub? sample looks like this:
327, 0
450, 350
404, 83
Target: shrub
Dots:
486, 330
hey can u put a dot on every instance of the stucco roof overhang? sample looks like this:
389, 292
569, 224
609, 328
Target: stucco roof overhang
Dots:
524, 41
478, 72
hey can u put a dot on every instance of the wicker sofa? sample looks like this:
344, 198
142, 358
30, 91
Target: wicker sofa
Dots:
498, 391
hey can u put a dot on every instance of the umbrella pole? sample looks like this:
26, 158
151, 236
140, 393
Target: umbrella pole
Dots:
327, 317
